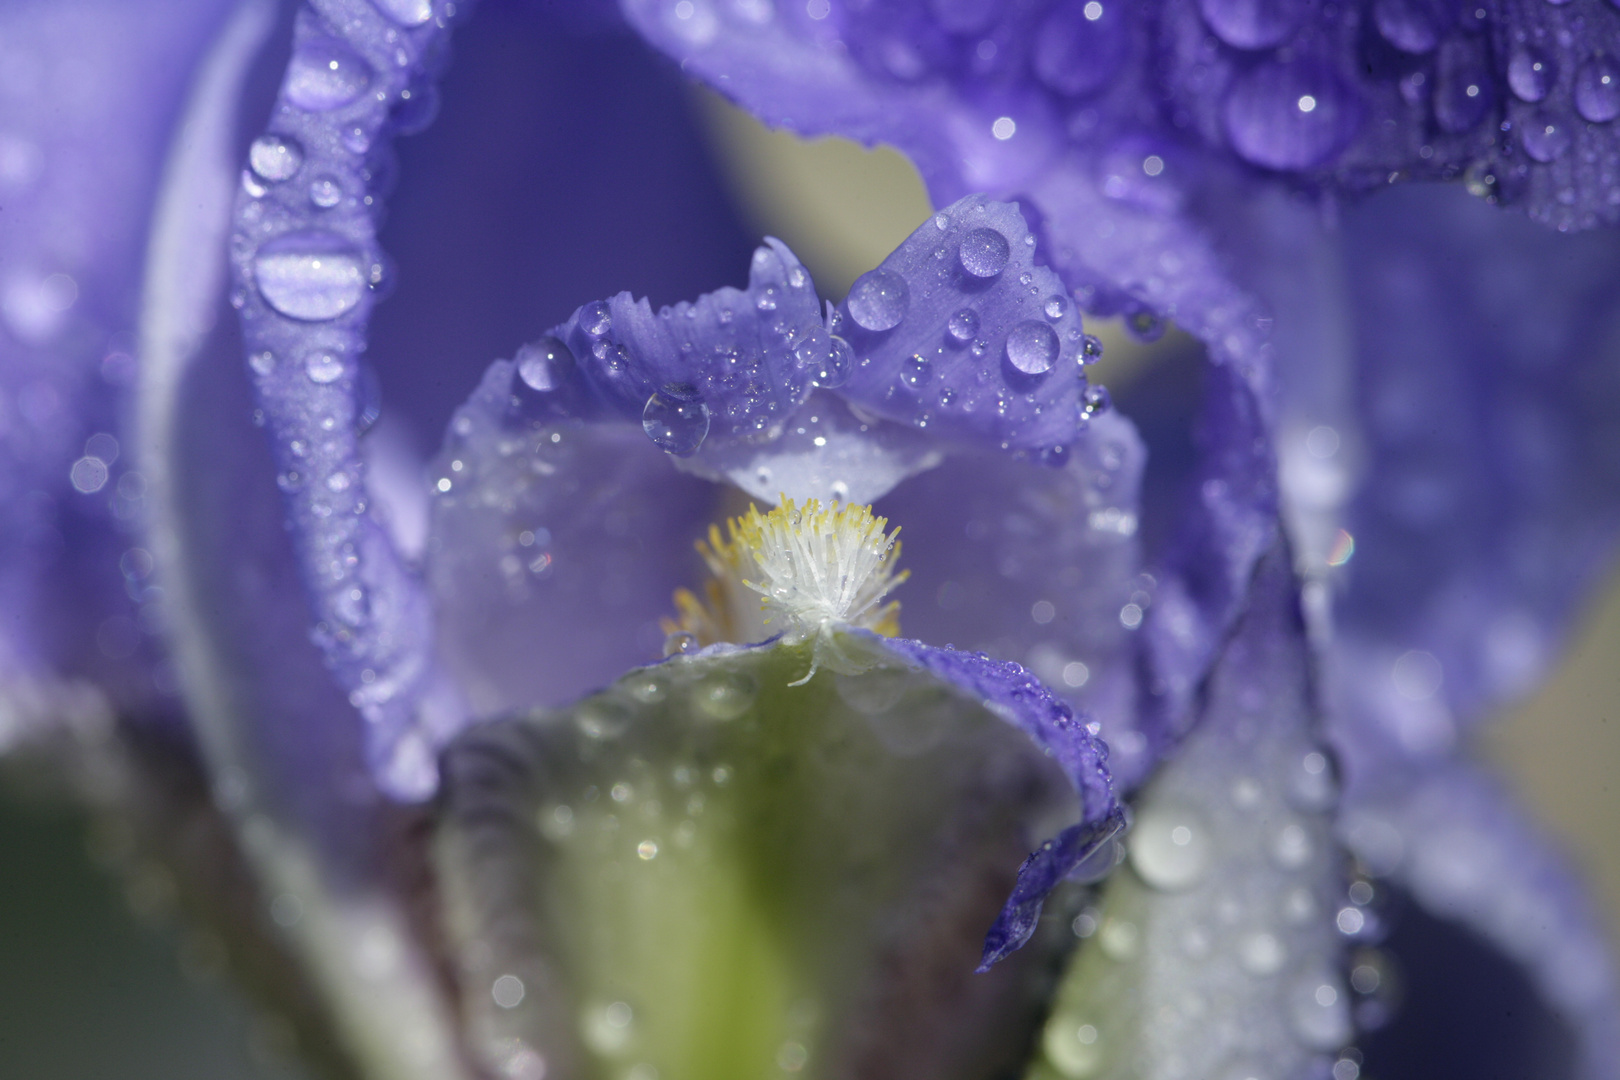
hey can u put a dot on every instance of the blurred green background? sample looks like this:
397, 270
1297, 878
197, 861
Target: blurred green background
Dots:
90, 990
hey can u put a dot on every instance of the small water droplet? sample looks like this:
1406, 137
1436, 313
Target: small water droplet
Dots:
1073, 1046
983, 253
325, 74
1544, 137
1032, 347
1253, 24
916, 370
1597, 90
676, 421
544, 365
1170, 848
963, 326
311, 276
879, 300
595, 318
262, 363
325, 192
941, 222
274, 157
1531, 73
1412, 26
1291, 846
1091, 349
406, 12
323, 367
837, 365
724, 695
1055, 307
602, 718
680, 643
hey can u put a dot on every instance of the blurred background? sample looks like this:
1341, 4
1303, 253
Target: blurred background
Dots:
94, 980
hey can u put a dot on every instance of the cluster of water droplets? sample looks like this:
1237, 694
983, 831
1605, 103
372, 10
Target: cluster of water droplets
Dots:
960, 332
1217, 949
306, 264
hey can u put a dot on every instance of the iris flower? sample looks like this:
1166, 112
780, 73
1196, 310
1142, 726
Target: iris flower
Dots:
498, 776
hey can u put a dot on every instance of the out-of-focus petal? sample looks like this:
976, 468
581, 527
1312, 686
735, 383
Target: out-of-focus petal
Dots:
1490, 501
1457, 843
1214, 949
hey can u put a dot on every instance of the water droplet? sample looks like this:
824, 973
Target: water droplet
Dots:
963, 326
311, 276
1073, 1046
1253, 24
262, 363
325, 192
1597, 90
1094, 400
1291, 846
1312, 783
325, 74
675, 421
811, 349
1170, 848
406, 12
602, 718
941, 222
323, 367
274, 157
1032, 347
1544, 137
915, 370
1412, 26
595, 318
1319, 1012
1290, 116
1091, 349
1531, 73
837, 365
680, 643
724, 695
1055, 307
545, 365
1262, 954
1464, 87
983, 253
1145, 325
878, 300
1079, 48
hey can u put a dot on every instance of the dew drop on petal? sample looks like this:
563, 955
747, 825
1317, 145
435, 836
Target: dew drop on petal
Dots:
544, 365
675, 422
1530, 73
1055, 307
595, 318
1253, 24
983, 253
879, 300
963, 326
837, 366
323, 367
325, 192
1412, 26
275, 158
1170, 849
325, 74
1096, 399
1032, 347
916, 370
310, 275
406, 12
1544, 138
1597, 90
1080, 47
1289, 116
724, 695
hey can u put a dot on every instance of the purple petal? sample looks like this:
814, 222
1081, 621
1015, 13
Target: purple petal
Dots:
1456, 841
306, 265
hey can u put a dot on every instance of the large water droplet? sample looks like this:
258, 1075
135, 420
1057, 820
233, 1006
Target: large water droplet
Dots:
1597, 90
1080, 46
1032, 347
1531, 73
1073, 1046
1253, 24
325, 74
406, 12
1170, 848
274, 157
1464, 91
1413, 26
983, 253
1545, 137
1290, 116
323, 367
545, 365
837, 366
724, 695
595, 318
963, 326
676, 421
879, 299
310, 275
916, 370
325, 192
